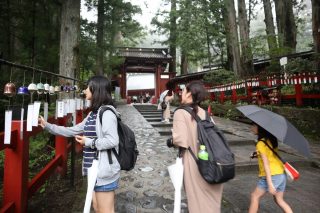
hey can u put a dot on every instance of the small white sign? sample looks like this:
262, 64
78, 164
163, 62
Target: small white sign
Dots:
283, 61
29, 117
72, 107
66, 106
78, 104
88, 104
45, 111
21, 123
7, 127
81, 104
36, 110
60, 109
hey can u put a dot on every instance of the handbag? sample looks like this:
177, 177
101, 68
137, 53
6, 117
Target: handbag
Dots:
291, 172
163, 105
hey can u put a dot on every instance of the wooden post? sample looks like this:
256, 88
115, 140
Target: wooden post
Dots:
222, 97
249, 94
62, 148
298, 89
158, 81
16, 171
79, 118
234, 95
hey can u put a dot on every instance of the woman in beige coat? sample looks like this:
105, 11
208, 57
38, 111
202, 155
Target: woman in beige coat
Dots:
201, 196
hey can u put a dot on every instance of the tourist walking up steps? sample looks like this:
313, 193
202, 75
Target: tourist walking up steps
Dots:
166, 113
201, 196
97, 138
272, 178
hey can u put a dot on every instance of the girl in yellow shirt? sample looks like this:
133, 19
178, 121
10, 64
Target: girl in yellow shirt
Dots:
272, 178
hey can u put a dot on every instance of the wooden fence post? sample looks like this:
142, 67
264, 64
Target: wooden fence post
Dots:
61, 144
16, 171
298, 89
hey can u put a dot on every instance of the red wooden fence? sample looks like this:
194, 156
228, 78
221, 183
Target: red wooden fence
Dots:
271, 88
16, 187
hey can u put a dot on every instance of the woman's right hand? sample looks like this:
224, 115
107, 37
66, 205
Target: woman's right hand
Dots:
41, 121
272, 189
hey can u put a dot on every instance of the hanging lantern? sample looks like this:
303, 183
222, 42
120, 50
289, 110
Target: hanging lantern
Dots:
9, 89
57, 89
32, 87
66, 88
23, 90
46, 87
51, 90
40, 88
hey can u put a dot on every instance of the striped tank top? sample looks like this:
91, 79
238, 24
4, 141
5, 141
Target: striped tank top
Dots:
88, 152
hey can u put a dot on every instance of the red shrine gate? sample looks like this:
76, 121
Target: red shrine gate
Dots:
144, 60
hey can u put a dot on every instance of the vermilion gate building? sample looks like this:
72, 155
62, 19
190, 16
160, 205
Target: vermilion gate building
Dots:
144, 60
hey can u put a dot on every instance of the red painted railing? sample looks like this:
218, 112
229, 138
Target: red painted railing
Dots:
16, 187
271, 85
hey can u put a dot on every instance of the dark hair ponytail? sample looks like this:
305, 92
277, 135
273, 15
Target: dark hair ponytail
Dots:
262, 133
198, 93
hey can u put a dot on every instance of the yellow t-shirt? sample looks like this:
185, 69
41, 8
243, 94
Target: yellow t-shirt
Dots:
275, 164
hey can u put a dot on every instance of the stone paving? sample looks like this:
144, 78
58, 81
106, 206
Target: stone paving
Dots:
148, 188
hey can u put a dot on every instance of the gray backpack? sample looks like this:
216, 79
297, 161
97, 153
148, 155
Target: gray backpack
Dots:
221, 164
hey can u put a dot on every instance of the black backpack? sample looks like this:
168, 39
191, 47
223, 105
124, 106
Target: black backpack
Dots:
128, 151
221, 164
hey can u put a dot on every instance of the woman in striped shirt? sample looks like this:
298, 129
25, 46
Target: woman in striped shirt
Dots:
97, 138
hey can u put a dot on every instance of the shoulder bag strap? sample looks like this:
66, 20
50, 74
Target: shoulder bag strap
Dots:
198, 119
274, 152
189, 109
102, 110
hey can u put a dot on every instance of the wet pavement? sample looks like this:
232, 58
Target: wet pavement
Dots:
148, 188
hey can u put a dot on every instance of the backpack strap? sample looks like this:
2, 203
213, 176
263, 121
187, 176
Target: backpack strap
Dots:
198, 119
274, 152
189, 109
102, 110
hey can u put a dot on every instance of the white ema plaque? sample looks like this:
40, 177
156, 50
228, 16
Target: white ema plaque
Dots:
29, 117
7, 127
36, 110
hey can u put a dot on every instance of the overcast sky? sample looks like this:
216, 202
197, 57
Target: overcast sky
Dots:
148, 7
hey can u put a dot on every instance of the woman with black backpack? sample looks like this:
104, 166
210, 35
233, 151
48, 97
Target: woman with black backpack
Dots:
96, 137
201, 196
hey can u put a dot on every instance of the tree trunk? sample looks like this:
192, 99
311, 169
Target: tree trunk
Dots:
184, 62
232, 34
316, 24
228, 64
173, 36
69, 38
100, 38
270, 29
287, 30
246, 53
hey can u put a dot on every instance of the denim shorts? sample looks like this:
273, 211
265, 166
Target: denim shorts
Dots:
279, 182
108, 187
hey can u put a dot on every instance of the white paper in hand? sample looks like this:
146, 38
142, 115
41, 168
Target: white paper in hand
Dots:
92, 177
176, 175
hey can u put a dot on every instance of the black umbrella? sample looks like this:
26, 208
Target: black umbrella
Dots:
278, 126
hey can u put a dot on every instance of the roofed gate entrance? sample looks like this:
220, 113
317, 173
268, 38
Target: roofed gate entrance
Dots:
144, 60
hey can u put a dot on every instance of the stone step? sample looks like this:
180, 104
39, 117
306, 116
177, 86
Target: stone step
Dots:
156, 119
161, 124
